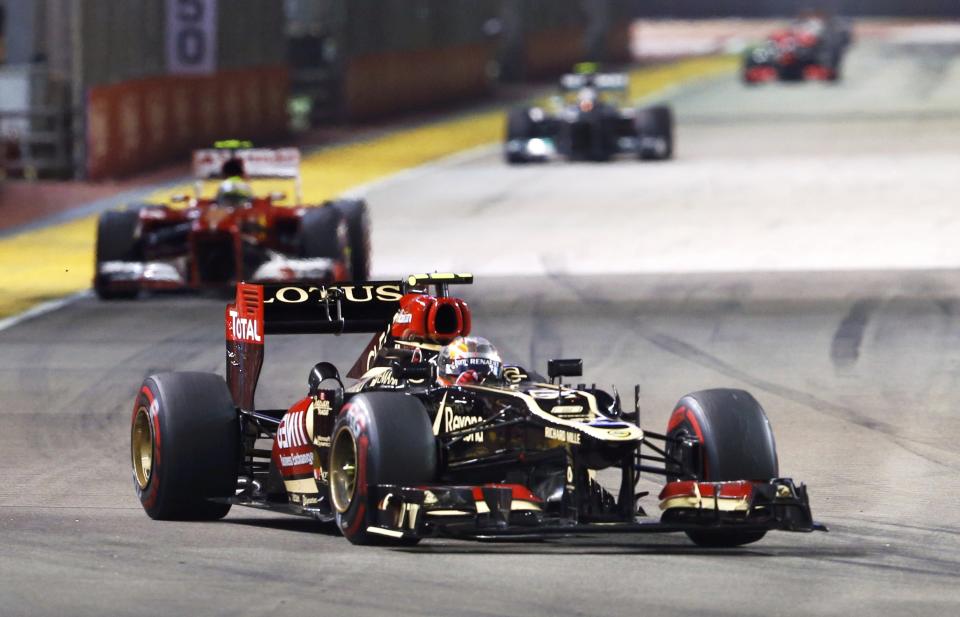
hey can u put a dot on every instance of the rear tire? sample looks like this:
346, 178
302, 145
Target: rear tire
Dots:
185, 446
116, 241
736, 444
657, 123
358, 236
390, 439
323, 233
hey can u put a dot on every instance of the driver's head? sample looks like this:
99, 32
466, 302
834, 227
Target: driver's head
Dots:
234, 192
468, 359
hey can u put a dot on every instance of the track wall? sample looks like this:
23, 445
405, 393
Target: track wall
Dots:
692, 9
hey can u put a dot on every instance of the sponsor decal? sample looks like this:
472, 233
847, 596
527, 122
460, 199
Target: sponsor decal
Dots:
291, 433
560, 434
244, 329
297, 459
293, 294
544, 393
375, 350
567, 411
513, 375
402, 317
322, 406
385, 379
454, 422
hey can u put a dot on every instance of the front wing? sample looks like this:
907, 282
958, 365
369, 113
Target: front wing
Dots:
490, 511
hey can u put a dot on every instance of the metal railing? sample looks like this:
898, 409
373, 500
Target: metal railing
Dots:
38, 143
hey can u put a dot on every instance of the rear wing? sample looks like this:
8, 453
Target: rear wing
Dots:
294, 308
251, 163
608, 82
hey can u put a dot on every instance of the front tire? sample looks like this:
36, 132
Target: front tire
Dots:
185, 446
736, 443
520, 128
655, 125
116, 241
379, 438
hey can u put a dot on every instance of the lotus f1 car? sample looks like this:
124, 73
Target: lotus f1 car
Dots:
218, 241
809, 49
400, 455
590, 121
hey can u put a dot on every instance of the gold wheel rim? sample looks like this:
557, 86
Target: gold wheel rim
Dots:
343, 470
141, 447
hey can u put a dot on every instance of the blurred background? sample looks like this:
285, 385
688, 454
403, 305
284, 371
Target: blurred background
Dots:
104, 88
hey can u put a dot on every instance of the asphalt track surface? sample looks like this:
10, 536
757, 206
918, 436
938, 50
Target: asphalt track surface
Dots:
857, 369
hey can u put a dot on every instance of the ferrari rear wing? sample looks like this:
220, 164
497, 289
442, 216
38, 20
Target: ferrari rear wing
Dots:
251, 163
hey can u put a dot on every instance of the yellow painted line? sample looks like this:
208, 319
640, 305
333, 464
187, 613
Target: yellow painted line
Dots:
52, 262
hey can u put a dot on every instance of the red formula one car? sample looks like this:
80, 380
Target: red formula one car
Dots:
438, 437
811, 48
234, 235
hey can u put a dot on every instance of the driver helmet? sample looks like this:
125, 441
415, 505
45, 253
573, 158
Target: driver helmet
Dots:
468, 359
234, 192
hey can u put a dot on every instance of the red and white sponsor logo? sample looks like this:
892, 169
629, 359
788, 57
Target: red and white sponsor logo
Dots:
292, 431
245, 329
257, 162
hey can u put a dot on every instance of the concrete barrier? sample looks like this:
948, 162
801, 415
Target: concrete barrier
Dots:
133, 125
390, 81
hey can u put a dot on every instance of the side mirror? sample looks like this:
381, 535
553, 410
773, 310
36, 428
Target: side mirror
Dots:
412, 371
321, 372
569, 367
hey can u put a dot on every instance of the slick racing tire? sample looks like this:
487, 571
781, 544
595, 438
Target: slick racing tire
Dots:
520, 127
655, 124
383, 438
358, 236
736, 444
323, 233
184, 446
116, 241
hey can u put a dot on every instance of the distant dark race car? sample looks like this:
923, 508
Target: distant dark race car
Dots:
437, 437
590, 120
809, 49
215, 241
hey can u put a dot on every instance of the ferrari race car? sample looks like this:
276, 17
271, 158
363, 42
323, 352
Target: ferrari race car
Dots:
438, 438
589, 121
216, 241
809, 49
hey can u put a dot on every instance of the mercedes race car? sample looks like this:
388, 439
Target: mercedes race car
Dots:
437, 437
216, 241
589, 121
809, 49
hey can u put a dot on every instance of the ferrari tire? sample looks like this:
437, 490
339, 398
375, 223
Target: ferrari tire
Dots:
358, 236
383, 438
323, 233
185, 446
736, 444
656, 122
116, 241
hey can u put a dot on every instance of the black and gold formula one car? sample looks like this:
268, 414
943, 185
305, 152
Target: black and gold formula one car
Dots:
438, 438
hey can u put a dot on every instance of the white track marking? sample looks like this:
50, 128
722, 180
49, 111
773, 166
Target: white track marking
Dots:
42, 309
